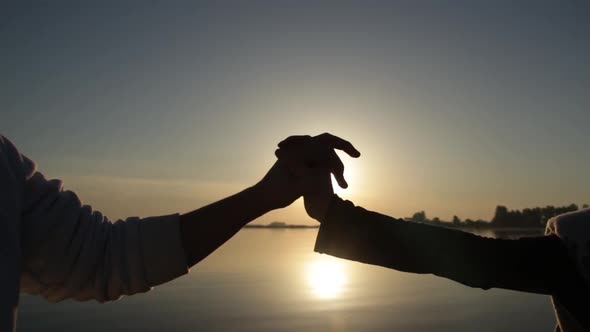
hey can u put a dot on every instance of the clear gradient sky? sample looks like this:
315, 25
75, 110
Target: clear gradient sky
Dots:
158, 107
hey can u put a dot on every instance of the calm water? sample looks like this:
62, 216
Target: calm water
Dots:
271, 280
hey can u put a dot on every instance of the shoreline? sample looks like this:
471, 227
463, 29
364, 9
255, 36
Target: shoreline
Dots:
493, 228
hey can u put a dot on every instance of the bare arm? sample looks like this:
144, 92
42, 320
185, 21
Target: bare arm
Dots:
205, 229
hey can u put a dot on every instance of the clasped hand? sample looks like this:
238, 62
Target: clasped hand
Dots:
303, 169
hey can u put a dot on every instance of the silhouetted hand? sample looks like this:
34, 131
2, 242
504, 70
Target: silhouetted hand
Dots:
279, 187
317, 201
310, 161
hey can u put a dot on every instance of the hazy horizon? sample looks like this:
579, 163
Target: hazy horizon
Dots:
164, 107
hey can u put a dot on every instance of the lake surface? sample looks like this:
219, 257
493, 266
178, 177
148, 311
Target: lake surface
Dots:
271, 280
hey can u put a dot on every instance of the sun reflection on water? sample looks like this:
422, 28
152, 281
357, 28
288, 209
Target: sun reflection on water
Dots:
326, 277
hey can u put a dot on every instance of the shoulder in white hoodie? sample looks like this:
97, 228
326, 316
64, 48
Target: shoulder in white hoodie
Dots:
52, 245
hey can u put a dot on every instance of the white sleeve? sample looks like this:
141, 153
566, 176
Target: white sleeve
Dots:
70, 251
573, 229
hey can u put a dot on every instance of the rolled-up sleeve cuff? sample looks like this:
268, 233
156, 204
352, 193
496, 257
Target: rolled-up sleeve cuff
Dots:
330, 230
163, 254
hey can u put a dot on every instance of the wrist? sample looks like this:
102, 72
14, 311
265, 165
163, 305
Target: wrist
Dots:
330, 202
318, 205
263, 198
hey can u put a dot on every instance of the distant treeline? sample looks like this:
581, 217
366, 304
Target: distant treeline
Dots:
280, 224
504, 218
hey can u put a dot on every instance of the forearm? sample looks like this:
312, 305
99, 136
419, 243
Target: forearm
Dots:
532, 265
206, 229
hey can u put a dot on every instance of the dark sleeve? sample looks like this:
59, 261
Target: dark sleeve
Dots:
537, 265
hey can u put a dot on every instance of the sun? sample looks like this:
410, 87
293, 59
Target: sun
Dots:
326, 277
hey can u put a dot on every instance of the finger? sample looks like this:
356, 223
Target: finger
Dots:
285, 153
297, 139
290, 155
307, 157
337, 168
336, 142
311, 154
292, 160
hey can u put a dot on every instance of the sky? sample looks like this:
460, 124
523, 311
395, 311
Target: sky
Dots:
157, 107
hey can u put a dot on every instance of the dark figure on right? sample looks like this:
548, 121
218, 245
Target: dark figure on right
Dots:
557, 264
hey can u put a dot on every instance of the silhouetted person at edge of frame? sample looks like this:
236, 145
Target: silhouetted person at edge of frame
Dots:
557, 264
53, 246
